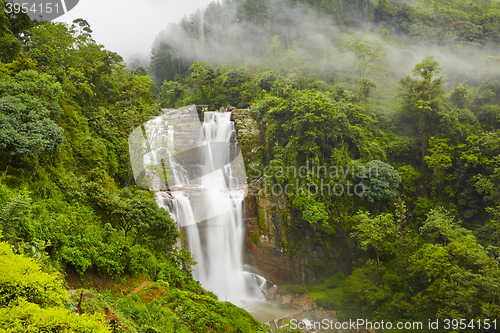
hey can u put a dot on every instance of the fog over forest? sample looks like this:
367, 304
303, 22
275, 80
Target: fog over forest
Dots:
321, 43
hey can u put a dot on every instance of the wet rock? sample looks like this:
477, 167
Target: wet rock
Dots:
303, 300
307, 307
271, 292
286, 302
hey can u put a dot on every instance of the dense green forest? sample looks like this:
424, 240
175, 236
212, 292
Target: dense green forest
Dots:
409, 89
68, 204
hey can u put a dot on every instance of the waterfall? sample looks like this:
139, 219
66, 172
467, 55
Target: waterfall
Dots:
198, 173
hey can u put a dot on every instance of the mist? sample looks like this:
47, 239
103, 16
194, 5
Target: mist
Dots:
129, 27
222, 33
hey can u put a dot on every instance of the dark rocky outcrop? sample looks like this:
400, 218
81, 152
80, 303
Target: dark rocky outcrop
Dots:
271, 248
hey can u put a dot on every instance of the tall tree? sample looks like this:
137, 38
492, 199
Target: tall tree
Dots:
366, 55
424, 100
377, 233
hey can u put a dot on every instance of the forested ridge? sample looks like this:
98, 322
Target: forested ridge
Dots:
409, 89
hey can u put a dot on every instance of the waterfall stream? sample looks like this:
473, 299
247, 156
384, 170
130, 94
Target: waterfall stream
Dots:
198, 174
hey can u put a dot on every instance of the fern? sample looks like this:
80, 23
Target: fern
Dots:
13, 213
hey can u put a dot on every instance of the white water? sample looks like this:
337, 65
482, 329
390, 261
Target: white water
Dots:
210, 205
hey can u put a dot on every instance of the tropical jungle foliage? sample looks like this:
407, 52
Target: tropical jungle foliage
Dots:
69, 208
408, 90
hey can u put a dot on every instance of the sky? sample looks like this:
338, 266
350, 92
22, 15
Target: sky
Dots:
129, 27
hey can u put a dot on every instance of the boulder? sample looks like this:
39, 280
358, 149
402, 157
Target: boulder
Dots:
286, 302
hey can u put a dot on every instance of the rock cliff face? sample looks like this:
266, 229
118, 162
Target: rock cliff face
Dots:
270, 246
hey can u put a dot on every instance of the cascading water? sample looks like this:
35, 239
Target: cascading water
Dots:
204, 171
